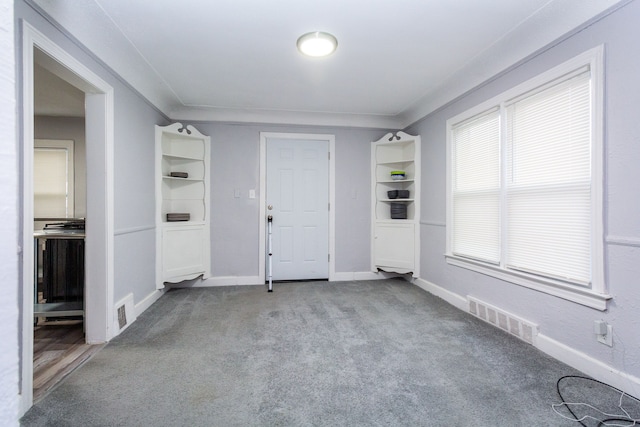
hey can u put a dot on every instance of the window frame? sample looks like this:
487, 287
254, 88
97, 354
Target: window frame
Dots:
595, 295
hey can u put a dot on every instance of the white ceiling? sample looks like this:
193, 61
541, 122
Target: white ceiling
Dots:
236, 60
55, 97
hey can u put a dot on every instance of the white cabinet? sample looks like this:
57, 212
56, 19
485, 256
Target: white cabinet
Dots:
182, 204
395, 204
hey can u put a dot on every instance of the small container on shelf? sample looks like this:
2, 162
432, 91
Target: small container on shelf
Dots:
398, 175
398, 194
179, 174
398, 211
174, 217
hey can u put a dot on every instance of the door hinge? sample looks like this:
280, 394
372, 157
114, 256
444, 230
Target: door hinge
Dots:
328, 206
328, 257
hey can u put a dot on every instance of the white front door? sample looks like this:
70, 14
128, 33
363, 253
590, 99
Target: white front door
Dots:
298, 192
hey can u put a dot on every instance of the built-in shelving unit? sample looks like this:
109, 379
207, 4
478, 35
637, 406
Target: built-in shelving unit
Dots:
396, 242
182, 204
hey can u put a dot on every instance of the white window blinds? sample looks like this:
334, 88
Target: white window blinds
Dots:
548, 181
525, 183
51, 183
538, 220
476, 187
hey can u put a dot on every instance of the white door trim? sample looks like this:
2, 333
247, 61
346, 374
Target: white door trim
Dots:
100, 238
263, 187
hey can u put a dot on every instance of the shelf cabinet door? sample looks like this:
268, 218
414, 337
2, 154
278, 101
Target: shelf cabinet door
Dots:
183, 253
394, 247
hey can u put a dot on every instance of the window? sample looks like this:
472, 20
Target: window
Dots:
524, 196
53, 179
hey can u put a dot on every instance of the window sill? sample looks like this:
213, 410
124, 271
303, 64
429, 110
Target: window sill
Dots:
575, 294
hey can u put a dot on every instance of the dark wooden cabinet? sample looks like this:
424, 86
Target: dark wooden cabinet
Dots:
63, 270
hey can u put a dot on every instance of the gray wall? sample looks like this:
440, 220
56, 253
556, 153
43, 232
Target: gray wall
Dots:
134, 194
235, 152
568, 323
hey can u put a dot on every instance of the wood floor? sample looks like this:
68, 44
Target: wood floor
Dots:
58, 349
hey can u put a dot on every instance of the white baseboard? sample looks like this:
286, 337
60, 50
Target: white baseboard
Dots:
148, 301
342, 277
450, 297
590, 366
229, 281
348, 276
574, 358
257, 280
363, 275
367, 275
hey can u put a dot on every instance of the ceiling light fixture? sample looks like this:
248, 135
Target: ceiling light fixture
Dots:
317, 44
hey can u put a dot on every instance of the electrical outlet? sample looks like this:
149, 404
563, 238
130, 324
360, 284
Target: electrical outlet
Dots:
600, 327
606, 339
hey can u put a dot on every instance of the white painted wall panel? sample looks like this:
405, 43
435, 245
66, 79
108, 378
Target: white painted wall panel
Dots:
8, 230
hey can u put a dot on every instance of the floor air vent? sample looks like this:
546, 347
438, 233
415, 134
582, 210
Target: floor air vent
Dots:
516, 326
124, 313
122, 316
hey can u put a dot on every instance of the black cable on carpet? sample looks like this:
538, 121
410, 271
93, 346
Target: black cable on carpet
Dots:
600, 422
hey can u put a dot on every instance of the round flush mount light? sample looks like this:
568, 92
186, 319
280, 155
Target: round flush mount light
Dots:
317, 44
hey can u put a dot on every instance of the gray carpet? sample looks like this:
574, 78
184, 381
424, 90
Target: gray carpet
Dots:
378, 353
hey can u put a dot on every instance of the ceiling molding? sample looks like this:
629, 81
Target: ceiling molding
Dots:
543, 29
88, 23
215, 114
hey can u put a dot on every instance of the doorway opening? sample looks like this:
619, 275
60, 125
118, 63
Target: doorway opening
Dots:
59, 207
40, 53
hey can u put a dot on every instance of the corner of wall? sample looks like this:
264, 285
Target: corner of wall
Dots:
572, 357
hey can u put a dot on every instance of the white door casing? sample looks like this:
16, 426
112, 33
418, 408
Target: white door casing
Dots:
308, 202
99, 108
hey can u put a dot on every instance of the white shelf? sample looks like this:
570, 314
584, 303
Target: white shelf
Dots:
58, 309
183, 247
395, 242
175, 178
179, 223
179, 157
394, 181
395, 162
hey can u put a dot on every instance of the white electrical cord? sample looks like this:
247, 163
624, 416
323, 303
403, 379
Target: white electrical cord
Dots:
605, 415
607, 419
